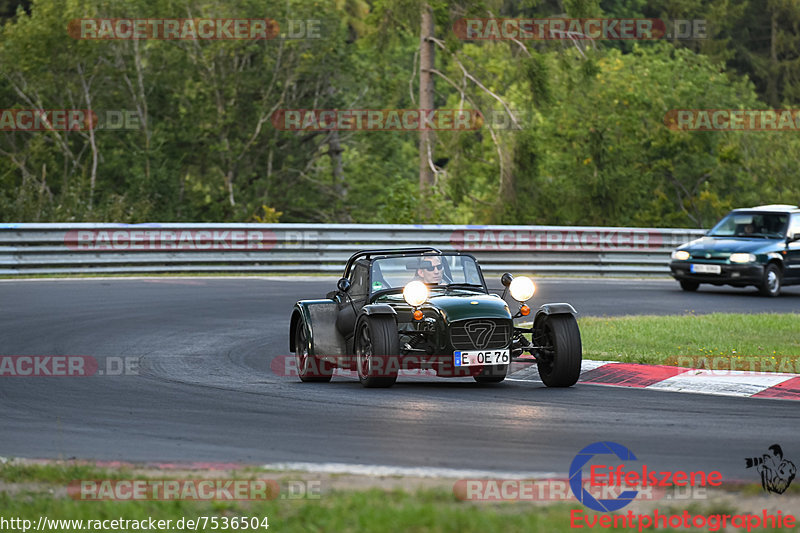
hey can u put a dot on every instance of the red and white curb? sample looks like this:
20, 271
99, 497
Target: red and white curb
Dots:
679, 379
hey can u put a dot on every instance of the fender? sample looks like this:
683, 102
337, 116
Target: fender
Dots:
778, 259
320, 319
378, 309
553, 309
367, 311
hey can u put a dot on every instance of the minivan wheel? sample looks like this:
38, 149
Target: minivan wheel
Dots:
771, 282
689, 286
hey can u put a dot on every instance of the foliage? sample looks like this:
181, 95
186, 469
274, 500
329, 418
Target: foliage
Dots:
589, 145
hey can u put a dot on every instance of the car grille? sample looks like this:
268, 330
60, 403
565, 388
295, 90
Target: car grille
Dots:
481, 334
711, 255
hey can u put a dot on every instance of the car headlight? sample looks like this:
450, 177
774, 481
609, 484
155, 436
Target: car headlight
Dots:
743, 258
680, 255
415, 293
522, 288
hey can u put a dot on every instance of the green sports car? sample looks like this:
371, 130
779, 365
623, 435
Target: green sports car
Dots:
420, 308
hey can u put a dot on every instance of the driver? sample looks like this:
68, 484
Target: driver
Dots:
430, 270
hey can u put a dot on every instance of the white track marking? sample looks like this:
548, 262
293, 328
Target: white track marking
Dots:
412, 471
722, 383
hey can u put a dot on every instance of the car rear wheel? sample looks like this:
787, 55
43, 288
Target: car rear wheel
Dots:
309, 367
689, 286
560, 355
492, 374
377, 347
771, 282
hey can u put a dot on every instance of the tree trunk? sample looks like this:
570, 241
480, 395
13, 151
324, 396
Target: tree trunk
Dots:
772, 72
337, 164
92, 140
426, 65
335, 150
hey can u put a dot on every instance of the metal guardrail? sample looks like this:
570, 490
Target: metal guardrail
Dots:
323, 248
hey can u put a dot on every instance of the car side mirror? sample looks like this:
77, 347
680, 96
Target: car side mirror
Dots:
506, 279
343, 285
793, 237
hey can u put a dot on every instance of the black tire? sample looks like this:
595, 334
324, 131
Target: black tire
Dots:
689, 286
309, 367
771, 282
492, 374
377, 347
559, 361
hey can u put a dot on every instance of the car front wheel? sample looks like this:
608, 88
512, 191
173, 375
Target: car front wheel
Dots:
377, 347
560, 355
309, 368
771, 282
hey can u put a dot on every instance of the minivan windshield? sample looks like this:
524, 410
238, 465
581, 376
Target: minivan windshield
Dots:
751, 224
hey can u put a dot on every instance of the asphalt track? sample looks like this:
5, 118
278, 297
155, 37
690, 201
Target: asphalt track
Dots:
205, 391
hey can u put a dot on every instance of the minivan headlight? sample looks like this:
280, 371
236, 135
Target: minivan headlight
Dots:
743, 258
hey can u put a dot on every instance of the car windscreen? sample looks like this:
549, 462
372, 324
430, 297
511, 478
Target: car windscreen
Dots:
751, 224
433, 269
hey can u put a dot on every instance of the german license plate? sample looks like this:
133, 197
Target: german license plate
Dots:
705, 269
481, 357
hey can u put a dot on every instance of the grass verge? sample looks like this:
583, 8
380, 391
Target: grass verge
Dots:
761, 342
29, 492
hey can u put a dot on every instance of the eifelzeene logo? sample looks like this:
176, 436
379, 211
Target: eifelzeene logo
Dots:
576, 476
622, 477
776, 472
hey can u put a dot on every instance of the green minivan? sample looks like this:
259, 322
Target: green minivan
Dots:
758, 246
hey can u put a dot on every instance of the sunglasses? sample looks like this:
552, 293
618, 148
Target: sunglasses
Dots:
430, 268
